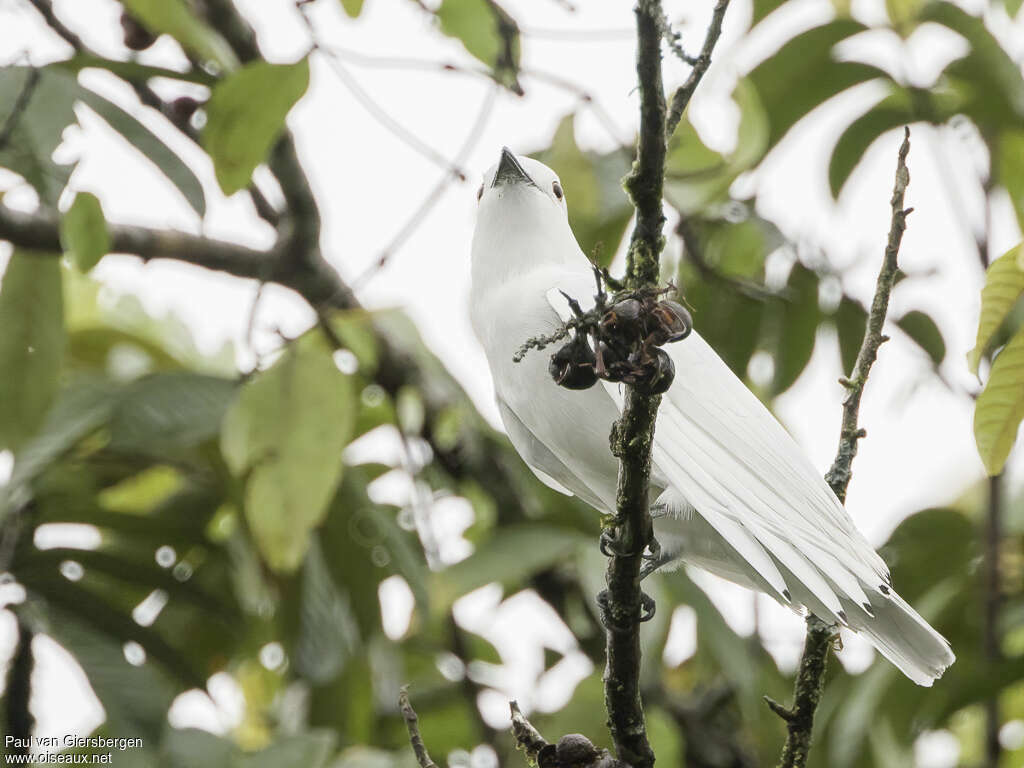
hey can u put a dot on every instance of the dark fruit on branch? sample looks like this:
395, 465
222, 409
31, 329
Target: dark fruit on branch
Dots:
656, 376
670, 322
183, 107
572, 366
136, 36
576, 749
622, 318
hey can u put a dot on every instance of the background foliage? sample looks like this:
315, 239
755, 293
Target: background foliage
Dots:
225, 534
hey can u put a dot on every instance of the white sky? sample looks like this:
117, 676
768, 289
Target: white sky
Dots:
919, 450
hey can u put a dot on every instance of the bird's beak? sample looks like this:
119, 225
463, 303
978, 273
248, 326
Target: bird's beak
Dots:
510, 171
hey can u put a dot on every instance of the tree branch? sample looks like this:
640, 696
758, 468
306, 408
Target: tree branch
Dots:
685, 92
632, 436
810, 676
412, 725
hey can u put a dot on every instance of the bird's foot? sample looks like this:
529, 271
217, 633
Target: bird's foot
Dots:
623, 624
608, 544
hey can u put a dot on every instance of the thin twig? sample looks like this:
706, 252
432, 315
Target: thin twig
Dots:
412, 725
810, 676
685, 92
527, 737
375, 110
434, 197
839, 475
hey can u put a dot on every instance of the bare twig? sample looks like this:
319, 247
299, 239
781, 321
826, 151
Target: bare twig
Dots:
685, 92
527, 737
435, 194
839, 475
412, 725
810, 676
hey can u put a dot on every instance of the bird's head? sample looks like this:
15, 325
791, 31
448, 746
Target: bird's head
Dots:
522, 189
521, 218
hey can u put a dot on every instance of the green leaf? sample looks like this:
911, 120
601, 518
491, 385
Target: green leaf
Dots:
762, 8
798, 325
177, 19
787, 94
164, 412
1000, 407
1004, 286
45, 100
891, 112
923, 330
487, 32
78, 411
135, 699
850, 320
245, 115
991, 81
352, 7
598, 208
284, 434
83, 231
1012, 7
31, 343
193, 748
509, 556
174, 169
328, 635
1009, 169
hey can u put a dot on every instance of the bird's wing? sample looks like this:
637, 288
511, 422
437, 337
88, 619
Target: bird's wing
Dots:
721, 450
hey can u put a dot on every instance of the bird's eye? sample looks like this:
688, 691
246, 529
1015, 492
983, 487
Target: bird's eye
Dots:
480, 193
557, 189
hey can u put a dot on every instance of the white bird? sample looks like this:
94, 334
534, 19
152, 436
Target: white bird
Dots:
736, 495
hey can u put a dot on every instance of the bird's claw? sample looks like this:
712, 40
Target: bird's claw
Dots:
607, 544
647, 610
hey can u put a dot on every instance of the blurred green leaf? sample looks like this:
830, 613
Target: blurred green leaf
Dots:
45, 99
1009, 170
1004, 286
135, 698
925, 333
763, 8
177, 19
730, 321
488, 33
598, 207
284, 434
246, 114
352, 7
78, 410
174, 169
508, 557
83, 231
850, 320
891, 112
32, 341
781, 81
328, 634
1000, 407
797, 318
163, 412
989, 80
903, 15
192, 748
